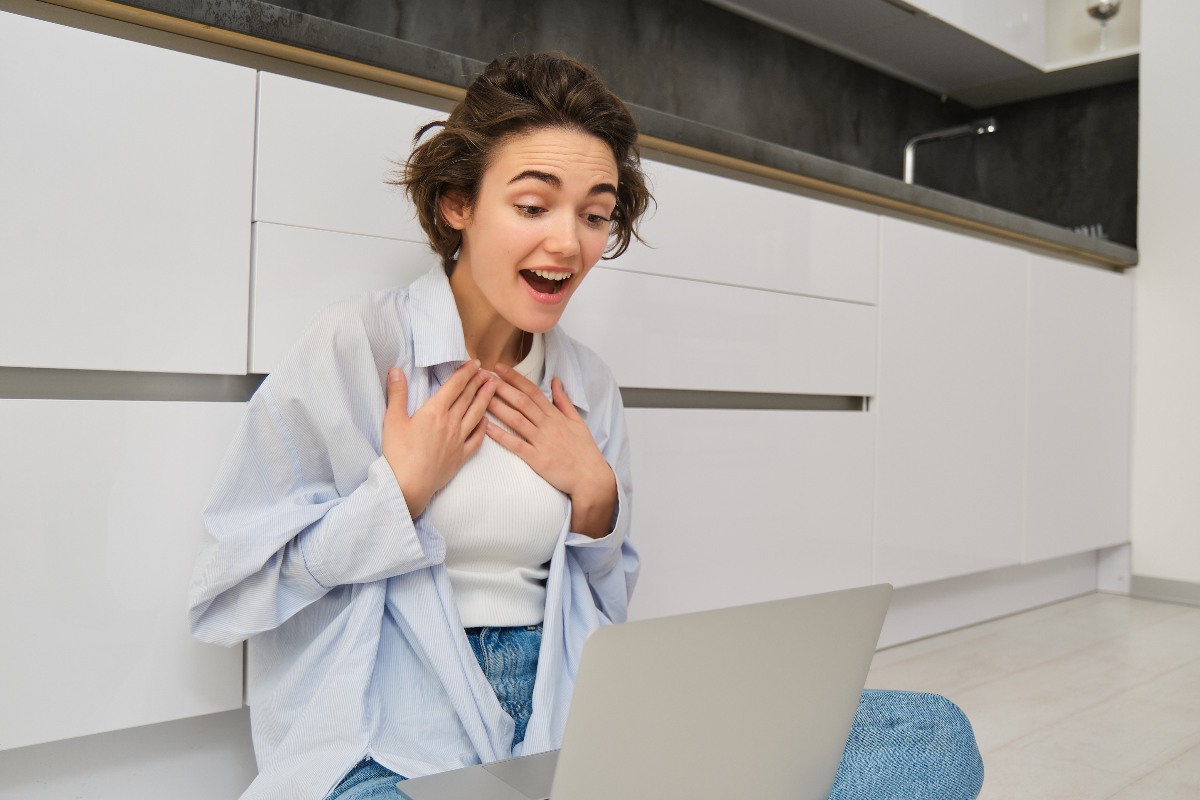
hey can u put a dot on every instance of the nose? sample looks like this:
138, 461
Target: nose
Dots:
562, 237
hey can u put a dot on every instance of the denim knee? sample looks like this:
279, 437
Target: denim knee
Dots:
909, 745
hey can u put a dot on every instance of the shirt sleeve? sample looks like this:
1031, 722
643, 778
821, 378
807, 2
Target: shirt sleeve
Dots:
304, 502
610, 563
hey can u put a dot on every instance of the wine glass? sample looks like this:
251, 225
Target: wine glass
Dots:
1103, 10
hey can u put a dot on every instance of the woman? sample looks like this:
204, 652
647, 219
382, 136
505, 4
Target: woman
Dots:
352, 541
425, 511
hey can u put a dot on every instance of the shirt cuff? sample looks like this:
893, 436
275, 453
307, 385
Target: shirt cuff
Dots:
602, 554
369, 536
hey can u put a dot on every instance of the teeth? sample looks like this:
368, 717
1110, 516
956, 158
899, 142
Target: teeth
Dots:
550, 276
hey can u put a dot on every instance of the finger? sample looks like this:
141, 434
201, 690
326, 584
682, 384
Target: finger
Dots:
562, 402
524, 385
509, 441
475, 440
513, 418
463, 402
397, 394
453, 387
522, 401
479, 403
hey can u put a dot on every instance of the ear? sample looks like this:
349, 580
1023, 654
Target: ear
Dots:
455, 209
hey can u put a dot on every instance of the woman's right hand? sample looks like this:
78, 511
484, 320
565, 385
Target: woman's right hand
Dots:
427, 449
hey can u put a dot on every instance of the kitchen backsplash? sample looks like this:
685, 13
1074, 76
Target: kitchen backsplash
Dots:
1070, 159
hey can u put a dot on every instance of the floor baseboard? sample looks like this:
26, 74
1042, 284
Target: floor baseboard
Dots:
932, 608
1170, 591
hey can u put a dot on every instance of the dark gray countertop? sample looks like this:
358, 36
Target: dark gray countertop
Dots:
272, 23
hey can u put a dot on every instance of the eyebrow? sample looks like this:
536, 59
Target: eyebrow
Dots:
556, 182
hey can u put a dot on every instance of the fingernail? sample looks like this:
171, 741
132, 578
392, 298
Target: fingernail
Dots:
393, 374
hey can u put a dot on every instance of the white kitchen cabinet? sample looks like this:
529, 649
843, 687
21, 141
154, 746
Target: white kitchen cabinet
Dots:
951, 404
1073, 37
734, 507
299, 271
667, 333
714, 228
102, 522
1080, 380
324, 154
1018, 27
125, 210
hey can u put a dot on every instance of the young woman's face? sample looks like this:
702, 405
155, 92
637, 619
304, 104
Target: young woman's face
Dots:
539, 223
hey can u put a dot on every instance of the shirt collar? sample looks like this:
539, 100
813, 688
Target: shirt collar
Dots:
562, 362
436, 327
438, 338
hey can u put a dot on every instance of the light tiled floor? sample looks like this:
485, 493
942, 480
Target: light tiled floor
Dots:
1088, 699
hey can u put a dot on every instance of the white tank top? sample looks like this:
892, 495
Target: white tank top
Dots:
501, 521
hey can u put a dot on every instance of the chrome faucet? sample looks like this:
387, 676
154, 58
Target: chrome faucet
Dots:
978, 127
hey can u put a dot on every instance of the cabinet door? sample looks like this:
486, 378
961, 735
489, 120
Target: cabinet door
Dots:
1080, 375
1017, 27
299, 271
713, 228
125, 209
102, 522
734, 507
666, 333
324, 155
951, 404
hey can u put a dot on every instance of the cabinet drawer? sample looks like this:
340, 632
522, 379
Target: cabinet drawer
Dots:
125, 212
666, 333
299, 271
324, 154
713, 228
102, 523
734, 507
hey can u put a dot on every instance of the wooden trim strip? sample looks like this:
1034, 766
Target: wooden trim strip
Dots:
871, 199
345, 66
253, 44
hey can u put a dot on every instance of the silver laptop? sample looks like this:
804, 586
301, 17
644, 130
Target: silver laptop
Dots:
748, 702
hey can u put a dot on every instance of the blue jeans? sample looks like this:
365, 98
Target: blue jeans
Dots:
909, 745
508, 657
367, 781
903, 745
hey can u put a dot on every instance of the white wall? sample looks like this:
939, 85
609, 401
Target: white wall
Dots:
1166, 447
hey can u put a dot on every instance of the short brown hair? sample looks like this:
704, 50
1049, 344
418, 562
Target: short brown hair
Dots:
514, 95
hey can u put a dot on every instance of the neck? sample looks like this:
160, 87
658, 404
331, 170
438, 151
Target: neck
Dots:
494, 348
489, 337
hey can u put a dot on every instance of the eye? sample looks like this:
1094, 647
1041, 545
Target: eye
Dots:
596, 220
529, 211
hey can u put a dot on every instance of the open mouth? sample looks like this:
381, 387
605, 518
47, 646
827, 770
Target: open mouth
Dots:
544, 281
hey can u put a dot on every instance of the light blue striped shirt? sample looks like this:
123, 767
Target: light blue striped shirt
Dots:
355, 645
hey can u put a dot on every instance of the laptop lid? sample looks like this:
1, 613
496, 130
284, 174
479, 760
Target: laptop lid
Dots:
751, 701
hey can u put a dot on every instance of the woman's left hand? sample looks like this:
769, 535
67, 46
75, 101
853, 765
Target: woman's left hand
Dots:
556, 444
